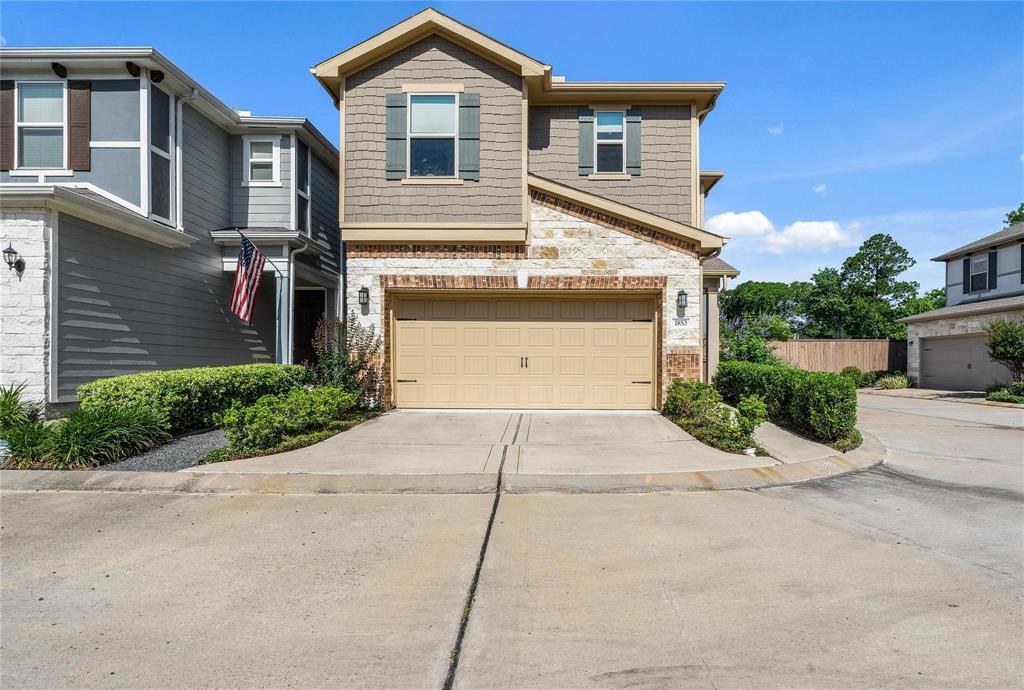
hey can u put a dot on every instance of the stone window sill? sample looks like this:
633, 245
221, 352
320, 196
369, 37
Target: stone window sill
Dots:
609, 176
436, 181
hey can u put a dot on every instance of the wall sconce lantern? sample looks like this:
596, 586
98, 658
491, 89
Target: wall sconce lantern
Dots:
14, 260
681, 299
364, 296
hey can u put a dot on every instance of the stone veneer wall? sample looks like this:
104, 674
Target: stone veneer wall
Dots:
571, 248
961, 325
24, 324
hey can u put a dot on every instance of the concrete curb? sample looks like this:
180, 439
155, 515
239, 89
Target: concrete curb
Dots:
941, 398
236, 483
870, 453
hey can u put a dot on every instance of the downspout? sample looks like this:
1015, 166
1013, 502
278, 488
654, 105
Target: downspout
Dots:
290, 345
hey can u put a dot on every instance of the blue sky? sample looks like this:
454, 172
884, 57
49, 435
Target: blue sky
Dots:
839, 119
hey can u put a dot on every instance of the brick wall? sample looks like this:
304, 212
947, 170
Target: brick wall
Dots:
24, 326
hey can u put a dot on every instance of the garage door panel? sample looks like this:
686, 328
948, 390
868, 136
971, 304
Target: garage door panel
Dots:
545, 352
959, 363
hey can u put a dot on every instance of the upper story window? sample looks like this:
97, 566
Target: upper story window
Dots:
261, 161
161, 145
41, 123
303, 174
610, 141
979, 273
433, 135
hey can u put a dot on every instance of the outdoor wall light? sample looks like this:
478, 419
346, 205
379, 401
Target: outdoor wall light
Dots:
14, 260
681, 299
364, 296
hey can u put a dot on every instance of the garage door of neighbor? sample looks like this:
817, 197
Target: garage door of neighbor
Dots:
591, 352
959, 363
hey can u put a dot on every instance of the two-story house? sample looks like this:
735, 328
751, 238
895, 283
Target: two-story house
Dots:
984, 282
522, 240
124, 185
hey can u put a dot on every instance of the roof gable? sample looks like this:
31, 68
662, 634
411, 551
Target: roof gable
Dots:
419, 26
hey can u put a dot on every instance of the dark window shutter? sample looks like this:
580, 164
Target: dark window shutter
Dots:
79, 124
967, 275
634, 123
394, 168
993, 269
586, 147
7, 124
1022, 264
469, 136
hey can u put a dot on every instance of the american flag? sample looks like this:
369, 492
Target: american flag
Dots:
248, 276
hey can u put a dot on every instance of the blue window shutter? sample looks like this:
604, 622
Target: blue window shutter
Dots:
993, 269
469, 136
395, 157
586, 155
634, 123
967, 275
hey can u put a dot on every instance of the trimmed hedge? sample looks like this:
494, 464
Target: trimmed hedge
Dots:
189, 398
697, 408
273, 418
819, 405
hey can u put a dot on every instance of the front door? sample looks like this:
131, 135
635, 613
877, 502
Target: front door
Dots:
310, 307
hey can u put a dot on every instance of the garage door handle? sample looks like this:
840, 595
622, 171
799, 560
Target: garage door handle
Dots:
406, 381
641, 382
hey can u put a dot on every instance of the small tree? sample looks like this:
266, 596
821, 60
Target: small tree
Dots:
1015, 216
1005, 342
348, 355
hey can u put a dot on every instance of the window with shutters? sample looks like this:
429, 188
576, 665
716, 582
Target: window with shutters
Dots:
979, 273
41, 124
610, 141
161, 147
433, 135
261, 161
303, 173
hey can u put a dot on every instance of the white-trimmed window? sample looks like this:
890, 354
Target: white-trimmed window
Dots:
161, 147
303, 186
261, 161
433, 134
979, 273
41, 124
610, 141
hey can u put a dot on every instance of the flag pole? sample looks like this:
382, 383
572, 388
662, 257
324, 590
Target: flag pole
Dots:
279, 272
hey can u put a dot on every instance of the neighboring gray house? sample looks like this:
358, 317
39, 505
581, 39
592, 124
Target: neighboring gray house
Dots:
984, 282
122, 181
541, 242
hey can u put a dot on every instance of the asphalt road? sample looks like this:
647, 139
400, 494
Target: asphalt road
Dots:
909, 575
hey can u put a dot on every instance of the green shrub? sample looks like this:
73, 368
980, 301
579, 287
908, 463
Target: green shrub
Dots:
1014, 393
868, 379
697, 408
189, 398
855, 375
272, 418
1005, 342
348, 356
820, 405
893, 382
13, 410
28, 442
96, 436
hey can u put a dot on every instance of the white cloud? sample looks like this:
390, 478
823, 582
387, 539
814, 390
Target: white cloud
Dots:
743, 224
755, 228
820, 189
776, 130
1022, 158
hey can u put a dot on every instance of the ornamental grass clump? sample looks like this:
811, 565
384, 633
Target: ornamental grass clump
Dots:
893, 382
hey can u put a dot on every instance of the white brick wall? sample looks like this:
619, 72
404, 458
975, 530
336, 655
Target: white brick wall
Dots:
583, 248
24, 315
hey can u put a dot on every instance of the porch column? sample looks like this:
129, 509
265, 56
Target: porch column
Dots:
712, 333
283, 350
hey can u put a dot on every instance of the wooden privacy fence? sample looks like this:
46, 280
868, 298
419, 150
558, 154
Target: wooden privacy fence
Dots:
833, 355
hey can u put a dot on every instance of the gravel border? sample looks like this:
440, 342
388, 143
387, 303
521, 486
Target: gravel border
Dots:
182, 452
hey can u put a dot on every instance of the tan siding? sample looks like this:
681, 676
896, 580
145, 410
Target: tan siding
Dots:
497, 197
664, 185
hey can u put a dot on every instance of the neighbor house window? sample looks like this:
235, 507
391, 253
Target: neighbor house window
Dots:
303, 172
261, 159
161, 142
610, 141
40, 123
979, 273
433, 133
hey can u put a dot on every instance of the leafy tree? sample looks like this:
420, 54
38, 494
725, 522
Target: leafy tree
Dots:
1015, 216
1005, 342
933, 299
758, 300
826, 306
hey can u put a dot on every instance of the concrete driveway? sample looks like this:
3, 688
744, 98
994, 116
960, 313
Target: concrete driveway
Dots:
430, 442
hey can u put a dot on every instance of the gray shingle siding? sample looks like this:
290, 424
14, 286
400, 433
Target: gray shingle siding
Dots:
664, 185
496, 197
324, 186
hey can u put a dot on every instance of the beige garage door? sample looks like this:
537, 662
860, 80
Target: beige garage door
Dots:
959, 363
544, 352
